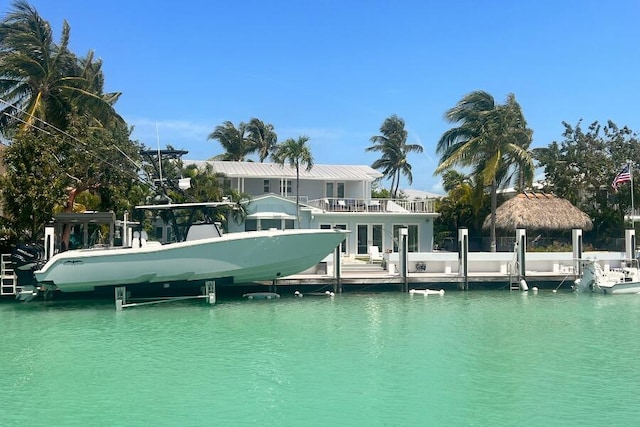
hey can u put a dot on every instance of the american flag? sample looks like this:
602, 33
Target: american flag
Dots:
623, 176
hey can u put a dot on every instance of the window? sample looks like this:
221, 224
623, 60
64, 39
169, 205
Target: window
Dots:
362, 235
334, 189
329, 189
266, 224
266, 186
412, 237
285, 187
251, 225
343, 246
377, 235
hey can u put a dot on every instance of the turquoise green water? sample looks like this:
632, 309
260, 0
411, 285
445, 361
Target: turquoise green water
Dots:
468, 359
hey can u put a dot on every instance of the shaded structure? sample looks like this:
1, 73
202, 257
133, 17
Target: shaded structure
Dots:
540, 212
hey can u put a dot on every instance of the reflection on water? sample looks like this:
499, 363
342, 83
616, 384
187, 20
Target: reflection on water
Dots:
475, 358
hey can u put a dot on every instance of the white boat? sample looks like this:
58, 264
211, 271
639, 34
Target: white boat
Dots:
205, 254
625, 280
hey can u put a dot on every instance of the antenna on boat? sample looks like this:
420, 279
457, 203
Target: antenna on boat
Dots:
159, 156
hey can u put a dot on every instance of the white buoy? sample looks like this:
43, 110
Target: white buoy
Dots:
523, 285
298, 294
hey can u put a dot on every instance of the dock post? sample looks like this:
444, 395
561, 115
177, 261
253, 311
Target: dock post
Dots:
463, 257
521, 239
49, 241
403, 232
337, 267
630, 244
121, 297
576, 237
210, 291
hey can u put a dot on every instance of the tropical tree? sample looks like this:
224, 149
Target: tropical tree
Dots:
262, 137
41, 81
392, 143
491, 139
49, 173
65, 136
28, 204
235, 141
580, 168
297, 153
463, 206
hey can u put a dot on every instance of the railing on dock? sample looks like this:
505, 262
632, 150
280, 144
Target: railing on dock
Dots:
8, 280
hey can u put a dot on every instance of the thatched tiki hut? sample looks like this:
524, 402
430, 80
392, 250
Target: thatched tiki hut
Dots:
538, 212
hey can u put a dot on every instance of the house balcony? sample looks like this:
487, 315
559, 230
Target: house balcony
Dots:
330, 204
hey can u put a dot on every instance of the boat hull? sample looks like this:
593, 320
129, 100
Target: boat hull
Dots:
613, 282
236, 257
619, 288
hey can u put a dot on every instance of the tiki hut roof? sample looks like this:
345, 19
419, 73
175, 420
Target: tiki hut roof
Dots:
538, 211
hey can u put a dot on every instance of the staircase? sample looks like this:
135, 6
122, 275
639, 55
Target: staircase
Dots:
357, 267
8, 280
514, 275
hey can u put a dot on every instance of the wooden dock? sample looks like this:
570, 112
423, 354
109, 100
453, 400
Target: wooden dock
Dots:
373, 277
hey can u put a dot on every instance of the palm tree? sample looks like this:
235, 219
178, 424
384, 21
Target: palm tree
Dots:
492, 140
234, 140
52, 97
394, 148
101, 105
262, 137
44, 81
297, 153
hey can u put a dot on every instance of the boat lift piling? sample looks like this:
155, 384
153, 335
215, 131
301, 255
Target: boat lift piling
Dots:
403, 247
337, 267
463, 258
576, 239
209, 295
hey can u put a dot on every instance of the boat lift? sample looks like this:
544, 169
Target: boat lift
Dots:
209, 295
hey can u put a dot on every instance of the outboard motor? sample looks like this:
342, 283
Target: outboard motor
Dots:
27, 258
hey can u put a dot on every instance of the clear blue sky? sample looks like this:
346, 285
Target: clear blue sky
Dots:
334, 70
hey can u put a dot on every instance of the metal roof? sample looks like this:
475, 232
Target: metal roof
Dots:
274, 170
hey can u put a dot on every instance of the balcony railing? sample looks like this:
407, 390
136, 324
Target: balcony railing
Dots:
333, 204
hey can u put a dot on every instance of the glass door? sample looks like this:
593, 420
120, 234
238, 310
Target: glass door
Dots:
376, 236
363, 233
343, 246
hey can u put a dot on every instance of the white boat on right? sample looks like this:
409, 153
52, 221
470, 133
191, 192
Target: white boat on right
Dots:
624, 280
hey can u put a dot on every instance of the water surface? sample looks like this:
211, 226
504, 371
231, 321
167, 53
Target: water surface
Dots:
489, 358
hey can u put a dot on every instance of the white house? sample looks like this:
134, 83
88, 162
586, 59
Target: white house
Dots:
330, 196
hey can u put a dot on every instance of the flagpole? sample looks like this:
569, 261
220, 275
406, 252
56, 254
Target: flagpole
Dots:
633, 212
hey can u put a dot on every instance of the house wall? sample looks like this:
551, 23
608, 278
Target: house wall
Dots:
351, 222
313, 218
310, 189
363, 226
